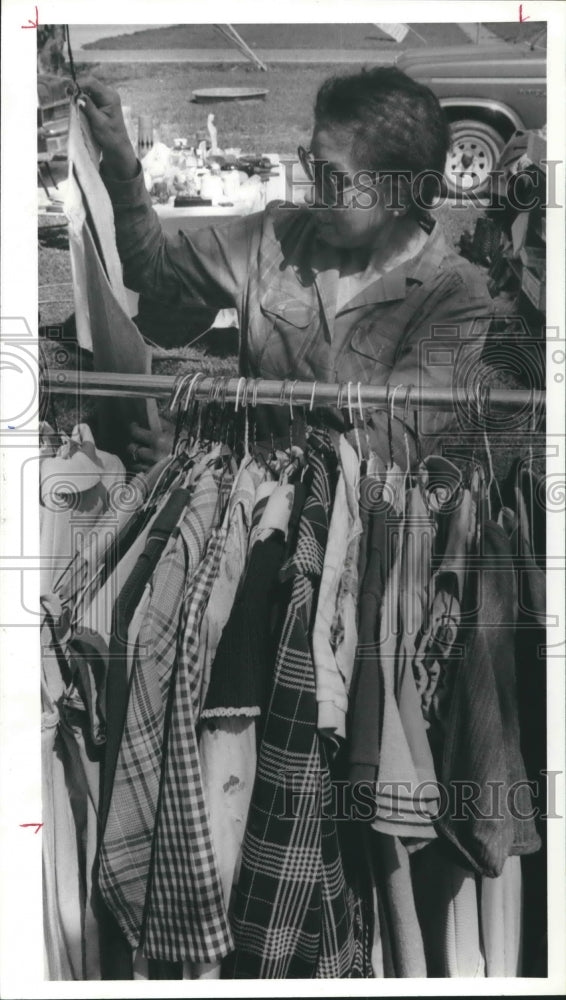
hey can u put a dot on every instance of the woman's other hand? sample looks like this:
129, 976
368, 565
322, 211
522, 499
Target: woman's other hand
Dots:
147, 447
103, 108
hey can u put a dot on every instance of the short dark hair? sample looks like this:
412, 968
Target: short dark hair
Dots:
395, 122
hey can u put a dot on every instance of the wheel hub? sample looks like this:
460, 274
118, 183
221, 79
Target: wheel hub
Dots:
469, 162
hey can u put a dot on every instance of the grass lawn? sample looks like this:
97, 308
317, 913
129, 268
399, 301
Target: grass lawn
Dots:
277, 123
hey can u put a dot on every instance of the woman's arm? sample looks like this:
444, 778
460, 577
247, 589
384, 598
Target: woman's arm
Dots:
210, 268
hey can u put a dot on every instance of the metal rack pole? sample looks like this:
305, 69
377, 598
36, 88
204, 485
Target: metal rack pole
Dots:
277, 392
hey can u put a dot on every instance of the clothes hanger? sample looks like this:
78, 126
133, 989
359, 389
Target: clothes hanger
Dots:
482, 397
198, 453
416, 432
244, 391
390, 403
363, 463
353, 422
309, 425
311, 404
294, 453
406, 409
174, 407
224, 423
291, 415
257, 453
208, 425
398, 484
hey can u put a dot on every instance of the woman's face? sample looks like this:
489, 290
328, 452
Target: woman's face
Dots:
361, 217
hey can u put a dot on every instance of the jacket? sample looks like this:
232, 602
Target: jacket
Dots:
417, 324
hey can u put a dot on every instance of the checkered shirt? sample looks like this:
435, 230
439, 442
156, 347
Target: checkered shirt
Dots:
292, 917
125, 851
186, 917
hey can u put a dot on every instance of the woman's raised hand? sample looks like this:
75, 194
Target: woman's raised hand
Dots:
103, 108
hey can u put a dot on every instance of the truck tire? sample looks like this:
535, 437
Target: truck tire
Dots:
475, 150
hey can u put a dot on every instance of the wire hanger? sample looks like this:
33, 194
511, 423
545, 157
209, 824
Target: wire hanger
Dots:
256, 452
173, 406
390, 416
194, 410
244, 391
293, 463
363, 419
311, 404
481, 398
353, 422
406, 409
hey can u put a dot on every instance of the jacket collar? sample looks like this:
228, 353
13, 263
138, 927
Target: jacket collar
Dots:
318, 264
392, 285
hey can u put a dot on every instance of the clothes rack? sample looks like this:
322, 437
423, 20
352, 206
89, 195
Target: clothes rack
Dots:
298, 392
236, 609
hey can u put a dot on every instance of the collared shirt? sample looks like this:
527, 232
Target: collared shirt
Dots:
417, 324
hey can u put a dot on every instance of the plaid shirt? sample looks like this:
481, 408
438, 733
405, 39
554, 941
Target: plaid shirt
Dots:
125, 851
186, 916
291, 916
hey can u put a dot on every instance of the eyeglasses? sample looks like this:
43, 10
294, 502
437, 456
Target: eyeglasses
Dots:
329, 184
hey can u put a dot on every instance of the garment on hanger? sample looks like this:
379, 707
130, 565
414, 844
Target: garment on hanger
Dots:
117, 346
406, 794
230, 570
481, 744
431, 660
77, 483
394, 883
292, 919
242, 672
132, 797
381, 517
448, 910
228, 721
523, 491
335, 633
84, 160
104, 325
62, 910
75, 666
185, 917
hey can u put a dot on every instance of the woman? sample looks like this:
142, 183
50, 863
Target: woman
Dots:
359, 285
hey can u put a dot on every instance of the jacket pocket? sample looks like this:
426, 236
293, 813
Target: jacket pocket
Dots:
375, 347
289, 326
